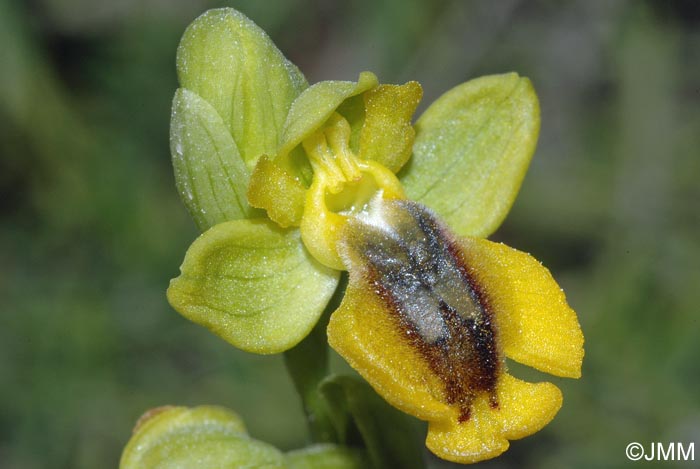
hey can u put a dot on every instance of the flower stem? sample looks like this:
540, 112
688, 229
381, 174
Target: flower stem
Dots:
307, 365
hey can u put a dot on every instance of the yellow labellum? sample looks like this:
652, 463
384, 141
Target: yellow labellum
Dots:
428, 319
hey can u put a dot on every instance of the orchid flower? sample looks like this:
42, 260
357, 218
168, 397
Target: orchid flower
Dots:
293, 184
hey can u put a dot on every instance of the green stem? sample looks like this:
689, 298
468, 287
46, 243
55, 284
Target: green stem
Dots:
307, 364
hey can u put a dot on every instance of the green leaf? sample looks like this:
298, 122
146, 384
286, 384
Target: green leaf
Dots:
325, 456
230, 62
315, 105
390, 436
253, 284
210, 175
204, 437
473, 146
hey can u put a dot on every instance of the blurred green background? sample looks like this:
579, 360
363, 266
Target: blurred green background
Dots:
91, 228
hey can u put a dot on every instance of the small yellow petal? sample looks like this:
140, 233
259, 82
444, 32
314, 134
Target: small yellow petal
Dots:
279, 193
536, 326
387, 134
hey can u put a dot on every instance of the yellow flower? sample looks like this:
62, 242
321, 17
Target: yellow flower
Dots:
292, 184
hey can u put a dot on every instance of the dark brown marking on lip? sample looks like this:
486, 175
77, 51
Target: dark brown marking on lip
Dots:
422, 266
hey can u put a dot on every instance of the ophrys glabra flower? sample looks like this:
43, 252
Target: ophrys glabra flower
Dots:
293, 184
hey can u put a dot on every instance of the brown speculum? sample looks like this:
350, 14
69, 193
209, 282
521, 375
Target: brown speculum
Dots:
414, 264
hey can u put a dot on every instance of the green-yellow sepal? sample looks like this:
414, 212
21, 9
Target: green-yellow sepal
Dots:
236, 90
473, 146
231, 63
253, 284
209, 172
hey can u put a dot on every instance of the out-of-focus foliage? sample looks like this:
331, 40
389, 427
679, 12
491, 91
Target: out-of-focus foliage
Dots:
91, 227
